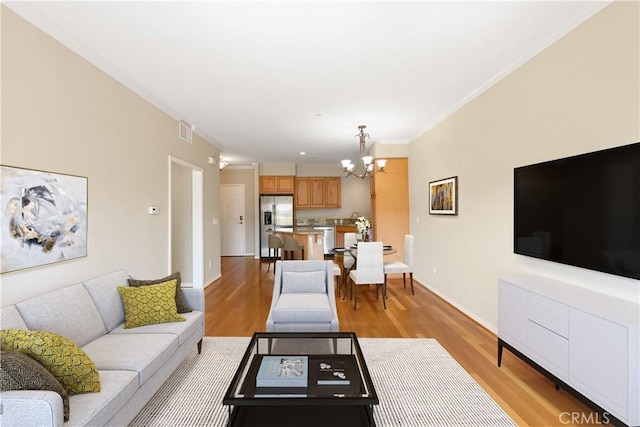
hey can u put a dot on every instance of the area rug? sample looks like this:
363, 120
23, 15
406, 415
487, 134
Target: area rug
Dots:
418, 383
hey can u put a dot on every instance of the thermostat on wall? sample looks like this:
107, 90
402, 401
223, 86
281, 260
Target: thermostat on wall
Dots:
154, 210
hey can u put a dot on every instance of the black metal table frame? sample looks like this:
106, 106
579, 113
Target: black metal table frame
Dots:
368, 400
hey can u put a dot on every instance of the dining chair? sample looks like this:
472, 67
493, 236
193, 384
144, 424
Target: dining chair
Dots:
405, 266
274, 242
348, 261
337, 275
369, 270
292, 245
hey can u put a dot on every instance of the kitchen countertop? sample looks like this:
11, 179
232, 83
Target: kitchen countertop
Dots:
326, 222
298, 230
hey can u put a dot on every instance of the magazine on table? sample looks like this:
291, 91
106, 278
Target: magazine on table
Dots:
333, 372
283, 371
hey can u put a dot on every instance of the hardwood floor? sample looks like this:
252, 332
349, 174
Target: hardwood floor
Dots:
238, 304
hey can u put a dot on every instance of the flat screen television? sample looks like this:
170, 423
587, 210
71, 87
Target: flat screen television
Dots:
582, 211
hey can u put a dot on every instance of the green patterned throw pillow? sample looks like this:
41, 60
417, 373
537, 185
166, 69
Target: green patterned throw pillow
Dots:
65, 360
181, 303
146, 305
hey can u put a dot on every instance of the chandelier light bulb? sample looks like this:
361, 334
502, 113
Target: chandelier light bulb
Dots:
367, 160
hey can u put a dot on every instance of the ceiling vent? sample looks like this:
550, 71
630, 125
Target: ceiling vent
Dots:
185, 131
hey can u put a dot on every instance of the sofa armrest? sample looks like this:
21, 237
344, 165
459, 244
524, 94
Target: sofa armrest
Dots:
31, 408
194, 298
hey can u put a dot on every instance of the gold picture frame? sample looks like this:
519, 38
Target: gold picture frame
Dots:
443, 196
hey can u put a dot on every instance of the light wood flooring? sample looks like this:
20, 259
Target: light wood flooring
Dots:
238, 304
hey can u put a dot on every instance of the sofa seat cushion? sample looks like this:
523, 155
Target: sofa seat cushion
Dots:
303, 307
69, 312
193, 324
98, 408
143, 353
104, 292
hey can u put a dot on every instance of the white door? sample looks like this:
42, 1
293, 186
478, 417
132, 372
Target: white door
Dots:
232, 220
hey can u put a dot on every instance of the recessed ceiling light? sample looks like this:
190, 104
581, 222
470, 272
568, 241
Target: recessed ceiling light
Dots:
302, 153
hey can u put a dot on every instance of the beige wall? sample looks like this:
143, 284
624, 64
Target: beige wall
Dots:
61, 114
579, 95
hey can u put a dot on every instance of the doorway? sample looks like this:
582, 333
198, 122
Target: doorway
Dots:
186, 227
232, 223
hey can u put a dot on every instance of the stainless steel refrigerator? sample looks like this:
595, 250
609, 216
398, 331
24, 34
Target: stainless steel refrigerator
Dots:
275, 212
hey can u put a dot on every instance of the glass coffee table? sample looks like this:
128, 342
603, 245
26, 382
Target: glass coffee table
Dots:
332, 387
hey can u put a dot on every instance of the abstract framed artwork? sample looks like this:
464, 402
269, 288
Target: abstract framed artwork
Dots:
443, 196
44, 218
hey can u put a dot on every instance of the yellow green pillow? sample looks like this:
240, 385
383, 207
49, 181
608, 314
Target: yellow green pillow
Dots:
146, 305
65, 360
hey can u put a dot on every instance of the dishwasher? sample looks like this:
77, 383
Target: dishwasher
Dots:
329, 238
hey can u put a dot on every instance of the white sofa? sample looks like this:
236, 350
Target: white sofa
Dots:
132, 363
303, 298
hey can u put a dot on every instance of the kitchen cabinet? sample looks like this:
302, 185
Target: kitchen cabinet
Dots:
317, 192
332, 192
270, 184
302, 194
390, 205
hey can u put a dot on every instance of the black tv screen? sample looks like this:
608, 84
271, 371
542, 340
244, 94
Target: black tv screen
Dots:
582, 211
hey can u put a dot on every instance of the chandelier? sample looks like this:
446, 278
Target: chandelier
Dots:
368, 166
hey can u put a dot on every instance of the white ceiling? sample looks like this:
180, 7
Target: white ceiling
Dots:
266, 80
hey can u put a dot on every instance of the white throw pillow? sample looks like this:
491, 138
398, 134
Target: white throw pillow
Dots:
303, 281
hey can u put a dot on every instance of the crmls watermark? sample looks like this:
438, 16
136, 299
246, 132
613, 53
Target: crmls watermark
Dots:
584, 418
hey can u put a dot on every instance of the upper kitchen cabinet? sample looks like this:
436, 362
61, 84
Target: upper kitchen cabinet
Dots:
317, 192
333, 197
270, 184
316, 186
390, 205
302, 194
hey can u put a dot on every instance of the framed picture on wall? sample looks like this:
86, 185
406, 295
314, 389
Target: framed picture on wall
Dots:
443, 196
43, 219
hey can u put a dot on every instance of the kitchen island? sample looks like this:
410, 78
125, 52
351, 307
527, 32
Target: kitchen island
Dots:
313, 241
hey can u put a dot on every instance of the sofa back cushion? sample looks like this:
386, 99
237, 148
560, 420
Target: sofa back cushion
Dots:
304, 281
69, 312
104, 292
10, 318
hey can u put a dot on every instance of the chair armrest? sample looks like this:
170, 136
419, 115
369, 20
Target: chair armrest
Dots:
31, 408
194, 298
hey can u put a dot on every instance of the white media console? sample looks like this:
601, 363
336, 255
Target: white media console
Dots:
585, 341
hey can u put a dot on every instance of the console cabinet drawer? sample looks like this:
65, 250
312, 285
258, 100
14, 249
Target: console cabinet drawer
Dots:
550, 314
549, 350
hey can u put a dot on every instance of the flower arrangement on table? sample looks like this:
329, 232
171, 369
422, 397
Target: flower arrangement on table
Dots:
363, 224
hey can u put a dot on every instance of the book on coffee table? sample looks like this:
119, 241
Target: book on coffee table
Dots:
283, 371
333, 372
